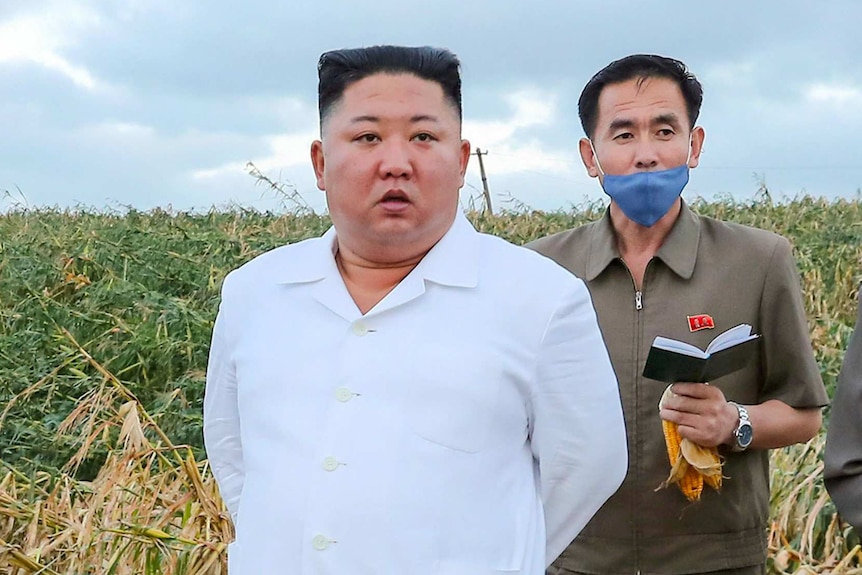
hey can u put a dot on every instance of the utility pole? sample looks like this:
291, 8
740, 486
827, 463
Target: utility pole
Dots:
485, 192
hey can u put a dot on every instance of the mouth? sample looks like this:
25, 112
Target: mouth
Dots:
395, 199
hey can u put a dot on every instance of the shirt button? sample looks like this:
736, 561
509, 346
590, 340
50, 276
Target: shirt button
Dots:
320, 542
343, 394
330, 464
359, 328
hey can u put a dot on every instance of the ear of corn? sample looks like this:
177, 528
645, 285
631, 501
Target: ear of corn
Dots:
691, 465
691, 484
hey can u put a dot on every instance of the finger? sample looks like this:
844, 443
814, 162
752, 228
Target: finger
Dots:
710, 409
693, 434
699, 435
671, 415
697, 390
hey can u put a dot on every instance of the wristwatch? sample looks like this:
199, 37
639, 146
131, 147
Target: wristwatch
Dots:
744, 433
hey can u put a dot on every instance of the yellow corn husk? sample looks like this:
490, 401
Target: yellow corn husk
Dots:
706, 460
692, 465
713, 481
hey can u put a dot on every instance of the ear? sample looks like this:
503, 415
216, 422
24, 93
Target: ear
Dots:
317, 163
464, 158
697, 137
588, 157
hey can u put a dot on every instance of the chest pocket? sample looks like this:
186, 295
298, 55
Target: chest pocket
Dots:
455, 402
457, 415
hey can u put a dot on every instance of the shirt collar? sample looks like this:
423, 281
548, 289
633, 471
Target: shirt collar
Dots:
310, 260
452, 261
678, 252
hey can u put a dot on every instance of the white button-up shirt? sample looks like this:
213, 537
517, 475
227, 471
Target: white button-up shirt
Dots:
470, 423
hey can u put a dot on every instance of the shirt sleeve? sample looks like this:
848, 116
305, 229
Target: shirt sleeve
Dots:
577, 430
221, 425
843, 455
791, 372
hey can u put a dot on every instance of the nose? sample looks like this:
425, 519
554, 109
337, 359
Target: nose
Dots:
395, 159
646, 157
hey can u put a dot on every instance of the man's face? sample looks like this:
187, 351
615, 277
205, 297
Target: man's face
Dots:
391, 162
641, 127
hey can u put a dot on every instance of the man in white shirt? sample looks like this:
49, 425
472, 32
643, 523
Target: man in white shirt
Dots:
405, 395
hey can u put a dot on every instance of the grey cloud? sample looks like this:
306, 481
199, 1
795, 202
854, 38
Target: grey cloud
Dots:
214, 80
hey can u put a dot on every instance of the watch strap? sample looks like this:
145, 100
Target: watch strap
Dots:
744, 422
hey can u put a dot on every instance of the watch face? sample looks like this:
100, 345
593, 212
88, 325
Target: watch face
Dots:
744, 435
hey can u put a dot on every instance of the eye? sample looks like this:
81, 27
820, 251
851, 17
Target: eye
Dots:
624, 136
424, 137
665, 133
368, 138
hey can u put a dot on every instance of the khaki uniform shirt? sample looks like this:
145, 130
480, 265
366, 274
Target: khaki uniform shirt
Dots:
843, 457
734, 274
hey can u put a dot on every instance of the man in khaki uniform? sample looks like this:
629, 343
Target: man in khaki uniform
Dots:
653, 268
843, 457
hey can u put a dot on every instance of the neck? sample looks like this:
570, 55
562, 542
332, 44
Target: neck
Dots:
638, 244
367, 281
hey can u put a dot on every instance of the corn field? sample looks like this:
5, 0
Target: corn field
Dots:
105, 320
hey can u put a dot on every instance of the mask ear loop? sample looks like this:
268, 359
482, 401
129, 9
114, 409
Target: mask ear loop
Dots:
596, 158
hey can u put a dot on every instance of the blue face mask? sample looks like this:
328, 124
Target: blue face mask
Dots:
645, 197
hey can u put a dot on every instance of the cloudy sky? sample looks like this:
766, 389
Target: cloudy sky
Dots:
146, 103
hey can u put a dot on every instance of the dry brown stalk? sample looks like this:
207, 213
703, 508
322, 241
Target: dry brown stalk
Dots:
150, 503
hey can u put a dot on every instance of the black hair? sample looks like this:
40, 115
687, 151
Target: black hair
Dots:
338, 69
642, 67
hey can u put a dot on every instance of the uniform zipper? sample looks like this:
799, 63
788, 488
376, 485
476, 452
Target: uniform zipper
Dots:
639, 305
